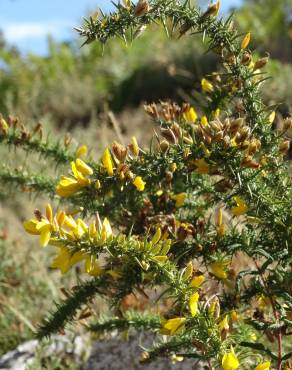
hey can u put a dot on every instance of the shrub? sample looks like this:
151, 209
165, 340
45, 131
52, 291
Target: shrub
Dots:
194, 231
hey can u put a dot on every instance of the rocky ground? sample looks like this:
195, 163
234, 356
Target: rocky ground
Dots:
113, 354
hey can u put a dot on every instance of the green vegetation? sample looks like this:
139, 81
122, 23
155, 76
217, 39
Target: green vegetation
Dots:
202, 217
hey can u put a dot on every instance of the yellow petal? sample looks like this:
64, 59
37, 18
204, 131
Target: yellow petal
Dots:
207, 86
202, 166
173, 325
156, 237
67, 187
83, 168
45, 237
241, 207
263, 366
197, 281
204, 121
190, 115
218, 269
134, 146
179, 199
139, 183
49, 213
246, 40
193, 303
230, 361
224, 324
62, 260
107, 162
81, 151
30, 227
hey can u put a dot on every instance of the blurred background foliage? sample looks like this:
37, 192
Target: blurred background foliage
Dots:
73, 89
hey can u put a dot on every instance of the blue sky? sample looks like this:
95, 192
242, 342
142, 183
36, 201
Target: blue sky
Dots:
27, 23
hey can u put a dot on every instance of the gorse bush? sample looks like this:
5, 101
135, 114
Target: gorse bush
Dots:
196, 230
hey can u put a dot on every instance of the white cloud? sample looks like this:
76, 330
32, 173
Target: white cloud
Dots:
15, 32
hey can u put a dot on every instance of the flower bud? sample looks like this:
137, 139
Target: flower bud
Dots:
284, 147
169, 135
119, 151
164, 145
141, 8
246, 58
260, 63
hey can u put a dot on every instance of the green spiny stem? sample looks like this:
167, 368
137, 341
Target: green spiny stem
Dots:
66, 310
27, 182
132, 320
55, 151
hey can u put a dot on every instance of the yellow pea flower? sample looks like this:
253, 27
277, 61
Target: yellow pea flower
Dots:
230, 361
106, 231
139, 183
108, 162
204, 121
218, 269
197, 281
224, 323
65, 260
202, 166
207, 86
92, 267
263, 366
81, 151
67, 186
246, 40
179, 199
193, 303
43, 227
83, 167
190, 115
272, 117
134, 147
241, 207
172, 326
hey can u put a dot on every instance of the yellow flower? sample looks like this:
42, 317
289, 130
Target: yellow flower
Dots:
134, 147
108, 162
65, 259
190, 115
216, 113
81, 151
246, 40
224, 324
193, 303
263, 366
139, 183
179, 199
70, 185
83, 167
219, 269
202, 166
230, 361
67, 186
241, 207
172, 326
207, 86
204, 121
197, 281
219, 222
43, 227
92, 267
234, 315
272, 117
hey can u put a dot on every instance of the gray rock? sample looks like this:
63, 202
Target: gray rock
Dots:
25, 354
118, 354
